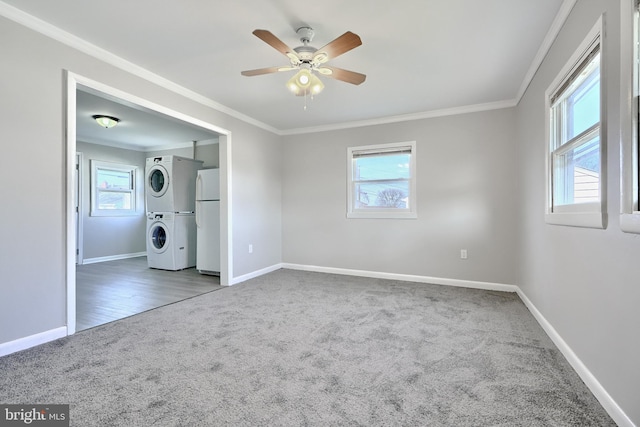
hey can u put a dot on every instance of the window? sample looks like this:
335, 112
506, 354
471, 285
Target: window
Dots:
629, 119
113, 189
382, 181
574, 159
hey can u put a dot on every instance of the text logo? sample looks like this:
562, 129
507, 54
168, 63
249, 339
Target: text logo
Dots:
34, 415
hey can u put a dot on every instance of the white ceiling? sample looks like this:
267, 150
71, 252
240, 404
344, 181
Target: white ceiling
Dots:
139, 128
420, 56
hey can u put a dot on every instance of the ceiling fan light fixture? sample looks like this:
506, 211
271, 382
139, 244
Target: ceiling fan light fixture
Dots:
293, 88
106, 121
305, 83
300, 83
316, 85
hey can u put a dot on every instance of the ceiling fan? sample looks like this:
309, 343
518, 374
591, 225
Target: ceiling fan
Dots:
309, 60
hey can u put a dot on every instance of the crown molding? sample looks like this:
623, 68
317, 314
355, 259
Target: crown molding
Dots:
406, 117
554, 30
143, 148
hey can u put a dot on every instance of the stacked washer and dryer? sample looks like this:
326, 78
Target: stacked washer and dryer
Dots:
170, 198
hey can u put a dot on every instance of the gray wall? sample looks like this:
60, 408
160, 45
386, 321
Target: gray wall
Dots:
584, 281
466, 200
208, 151
105, 236
33, 265
257, 203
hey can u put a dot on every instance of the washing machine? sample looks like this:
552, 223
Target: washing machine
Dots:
171, 240
170, 183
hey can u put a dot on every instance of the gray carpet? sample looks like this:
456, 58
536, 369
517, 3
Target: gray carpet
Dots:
296, 348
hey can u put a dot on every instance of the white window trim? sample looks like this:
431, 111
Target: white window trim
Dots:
629, 91
589, 215
411, 213
95, 211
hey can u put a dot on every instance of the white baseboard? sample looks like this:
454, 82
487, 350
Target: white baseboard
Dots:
254, 274
112, 257
405, 277
585, 374
32, 340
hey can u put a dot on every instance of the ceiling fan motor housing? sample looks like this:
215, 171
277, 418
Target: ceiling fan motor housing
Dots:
306, 34
305, 53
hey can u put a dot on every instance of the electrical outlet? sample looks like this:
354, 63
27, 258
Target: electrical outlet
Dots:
463, 254
250, 249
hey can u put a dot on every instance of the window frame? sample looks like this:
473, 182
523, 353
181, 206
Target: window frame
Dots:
382, 213
629, 120
95, 210
590, 214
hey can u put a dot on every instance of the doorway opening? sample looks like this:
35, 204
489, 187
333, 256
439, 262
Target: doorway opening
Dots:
78, 87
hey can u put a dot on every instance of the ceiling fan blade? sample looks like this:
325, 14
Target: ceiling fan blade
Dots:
273, 41
268, 70
337, 47
343, 75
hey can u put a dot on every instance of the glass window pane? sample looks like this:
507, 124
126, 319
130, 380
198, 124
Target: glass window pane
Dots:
390, 166
583, 105
577, 174
113, 189
113, 179
114, 200
393, 194
381, 181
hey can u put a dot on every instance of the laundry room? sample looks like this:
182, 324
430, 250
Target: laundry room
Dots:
115, 277
106, 238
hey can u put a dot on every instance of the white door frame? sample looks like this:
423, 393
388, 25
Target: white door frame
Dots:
78, 184
73, 81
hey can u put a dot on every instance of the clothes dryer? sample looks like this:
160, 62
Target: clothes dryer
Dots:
170, 183
171, 240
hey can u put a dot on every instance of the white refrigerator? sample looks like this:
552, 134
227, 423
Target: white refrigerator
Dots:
208, 221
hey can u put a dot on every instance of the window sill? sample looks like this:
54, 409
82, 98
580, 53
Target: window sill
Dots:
382, 215
577, 219
113, 213
630, 223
